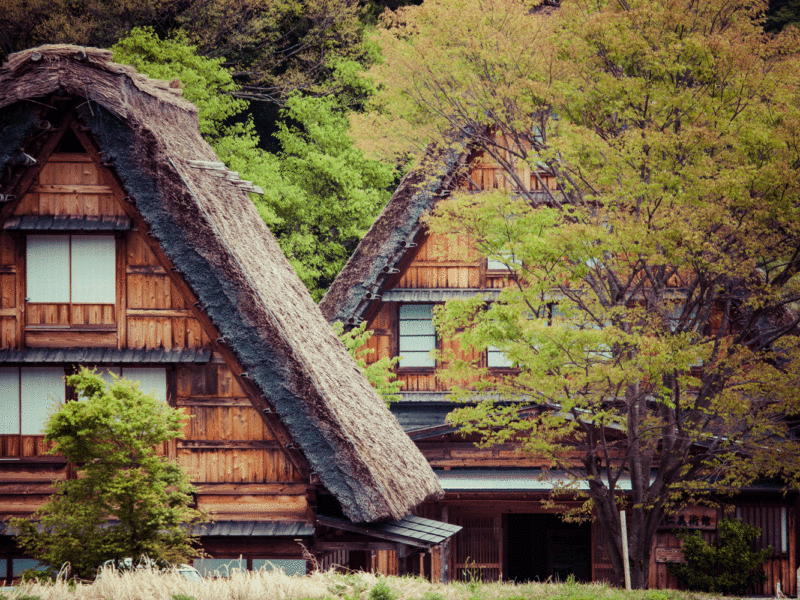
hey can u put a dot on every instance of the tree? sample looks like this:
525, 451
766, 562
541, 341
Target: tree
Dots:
728, 566
329, 192
379, 373
129, 499
321, 193
653, 316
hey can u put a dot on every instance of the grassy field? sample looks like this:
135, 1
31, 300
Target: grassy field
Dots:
329, 586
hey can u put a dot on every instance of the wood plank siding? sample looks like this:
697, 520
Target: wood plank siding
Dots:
241, 469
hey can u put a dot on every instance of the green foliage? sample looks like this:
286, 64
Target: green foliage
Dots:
182, 597
327, 193
382, 591
210, 86
728, 566
648, 311
379, 373
321, 193
432, 595
114, 436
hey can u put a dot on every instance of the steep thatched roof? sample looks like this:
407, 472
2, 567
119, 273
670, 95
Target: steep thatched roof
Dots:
213, 235
385, 244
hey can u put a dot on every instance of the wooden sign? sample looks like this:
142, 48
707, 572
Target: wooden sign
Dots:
669, 555
691, 517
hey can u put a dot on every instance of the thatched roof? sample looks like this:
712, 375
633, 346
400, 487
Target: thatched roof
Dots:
389, 238
211, 232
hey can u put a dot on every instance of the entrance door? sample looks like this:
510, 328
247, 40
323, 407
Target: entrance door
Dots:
542, 547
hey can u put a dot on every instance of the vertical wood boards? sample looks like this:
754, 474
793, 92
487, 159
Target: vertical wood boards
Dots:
228, 448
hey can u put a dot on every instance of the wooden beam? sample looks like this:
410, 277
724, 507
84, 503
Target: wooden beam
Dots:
334, 546
228, 444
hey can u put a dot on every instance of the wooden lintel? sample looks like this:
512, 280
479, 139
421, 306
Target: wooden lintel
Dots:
71, 189
158, 313
273, 423
334, 546
252, 489
227, 444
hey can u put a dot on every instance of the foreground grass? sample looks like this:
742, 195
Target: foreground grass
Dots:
261, 585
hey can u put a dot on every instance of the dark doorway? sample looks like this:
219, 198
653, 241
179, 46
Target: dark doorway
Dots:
543, 546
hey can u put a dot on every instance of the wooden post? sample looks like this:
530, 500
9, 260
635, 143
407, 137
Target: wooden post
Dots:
444, 555
626, 566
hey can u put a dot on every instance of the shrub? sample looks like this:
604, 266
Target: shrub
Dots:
381, 591
728, 566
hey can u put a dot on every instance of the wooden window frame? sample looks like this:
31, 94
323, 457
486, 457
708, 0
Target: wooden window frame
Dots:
436, 342
71, 304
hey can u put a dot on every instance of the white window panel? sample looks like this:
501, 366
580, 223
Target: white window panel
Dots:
47, 267
416, 359
219, 567
151, 380
417, 335
497, 358
42, 391
18, 565
93, 269
9, 401
419, 312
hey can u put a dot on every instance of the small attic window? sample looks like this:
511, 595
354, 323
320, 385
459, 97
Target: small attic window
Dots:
69, 144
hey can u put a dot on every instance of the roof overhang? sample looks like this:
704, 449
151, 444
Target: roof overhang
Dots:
101, 356
410, 530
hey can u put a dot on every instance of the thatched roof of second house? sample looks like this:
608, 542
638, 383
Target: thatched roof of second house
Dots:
209, 229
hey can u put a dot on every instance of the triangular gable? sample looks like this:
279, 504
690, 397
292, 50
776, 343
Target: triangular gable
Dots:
247, 296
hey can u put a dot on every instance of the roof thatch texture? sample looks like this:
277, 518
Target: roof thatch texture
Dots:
211, 232
387, 241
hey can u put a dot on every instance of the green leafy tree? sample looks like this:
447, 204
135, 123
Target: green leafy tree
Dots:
210, 86
321, 193
329, 192
729, 565
129, 500
379, 373
652, 316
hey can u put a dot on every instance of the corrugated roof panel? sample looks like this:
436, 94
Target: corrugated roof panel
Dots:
67, 223
435, 294
103, 356
256, 529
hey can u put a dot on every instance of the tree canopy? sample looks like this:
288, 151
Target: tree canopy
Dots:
321, 193
129, 499
652, 318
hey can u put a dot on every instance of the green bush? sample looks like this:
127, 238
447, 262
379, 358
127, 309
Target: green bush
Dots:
381, 591
729, 566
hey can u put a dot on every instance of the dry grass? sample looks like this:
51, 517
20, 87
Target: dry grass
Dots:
275, 585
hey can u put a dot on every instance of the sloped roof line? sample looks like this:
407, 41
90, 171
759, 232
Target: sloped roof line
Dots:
386, 242
235, 269
277, 322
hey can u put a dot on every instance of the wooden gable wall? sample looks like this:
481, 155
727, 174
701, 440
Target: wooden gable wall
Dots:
237, 460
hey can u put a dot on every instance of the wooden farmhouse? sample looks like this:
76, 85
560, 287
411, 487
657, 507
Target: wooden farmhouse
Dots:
125, 245
396, 276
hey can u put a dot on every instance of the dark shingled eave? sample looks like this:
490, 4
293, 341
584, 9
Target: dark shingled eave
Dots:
387, 241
